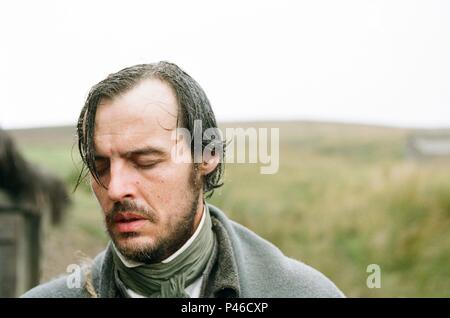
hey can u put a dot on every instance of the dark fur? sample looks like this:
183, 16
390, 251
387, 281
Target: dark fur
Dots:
30, 186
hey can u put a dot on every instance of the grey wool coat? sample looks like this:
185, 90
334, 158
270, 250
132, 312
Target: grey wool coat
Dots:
245, 264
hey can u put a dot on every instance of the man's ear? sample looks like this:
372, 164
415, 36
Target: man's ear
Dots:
210, 161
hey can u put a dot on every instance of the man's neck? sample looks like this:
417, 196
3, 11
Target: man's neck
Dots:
199, 213
191, 239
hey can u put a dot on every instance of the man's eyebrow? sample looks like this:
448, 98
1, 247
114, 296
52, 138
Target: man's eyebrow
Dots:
148, 150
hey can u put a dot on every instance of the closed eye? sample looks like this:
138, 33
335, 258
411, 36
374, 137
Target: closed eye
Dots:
146, 164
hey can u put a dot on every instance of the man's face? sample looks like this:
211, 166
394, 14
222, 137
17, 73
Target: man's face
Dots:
152, 203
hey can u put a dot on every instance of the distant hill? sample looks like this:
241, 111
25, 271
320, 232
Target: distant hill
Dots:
67, 134
297, 134
62, 135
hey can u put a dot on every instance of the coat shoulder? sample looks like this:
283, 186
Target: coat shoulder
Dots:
83, 282
57, 288
309, 282
279, 275
266, 272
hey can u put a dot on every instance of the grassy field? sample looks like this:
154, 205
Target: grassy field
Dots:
345, 196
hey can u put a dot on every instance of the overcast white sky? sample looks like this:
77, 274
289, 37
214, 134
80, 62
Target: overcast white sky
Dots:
384, 62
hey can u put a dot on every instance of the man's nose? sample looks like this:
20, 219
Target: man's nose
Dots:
121, 183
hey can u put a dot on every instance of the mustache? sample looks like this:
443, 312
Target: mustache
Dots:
130, 206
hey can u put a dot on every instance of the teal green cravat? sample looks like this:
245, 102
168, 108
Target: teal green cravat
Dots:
170, 279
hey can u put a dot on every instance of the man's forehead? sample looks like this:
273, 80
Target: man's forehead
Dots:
150, 104
145, 115
127, 144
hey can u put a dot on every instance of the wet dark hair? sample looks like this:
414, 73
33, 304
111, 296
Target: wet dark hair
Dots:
193, 105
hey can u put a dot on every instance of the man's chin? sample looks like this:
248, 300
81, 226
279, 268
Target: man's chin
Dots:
137, 248
132, 239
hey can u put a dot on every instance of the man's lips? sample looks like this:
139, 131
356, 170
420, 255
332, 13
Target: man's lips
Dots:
128, 217
128, 221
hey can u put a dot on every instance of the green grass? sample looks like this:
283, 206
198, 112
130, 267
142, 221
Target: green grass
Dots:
344, 197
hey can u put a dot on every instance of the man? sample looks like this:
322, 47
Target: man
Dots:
166, 241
